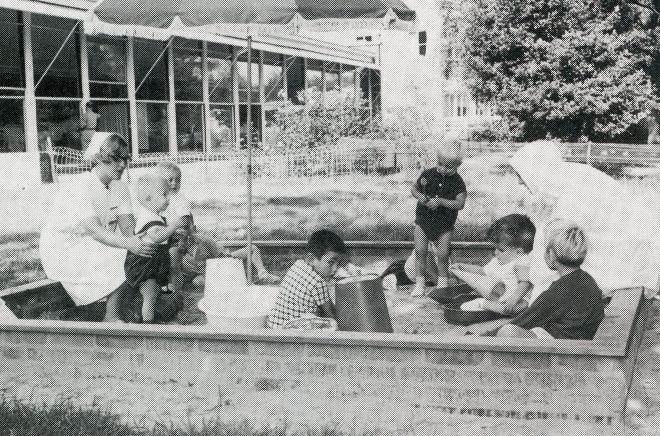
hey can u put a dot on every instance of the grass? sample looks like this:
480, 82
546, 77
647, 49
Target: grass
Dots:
358, 208
63, 418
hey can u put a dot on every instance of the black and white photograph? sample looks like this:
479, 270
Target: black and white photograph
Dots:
330, 217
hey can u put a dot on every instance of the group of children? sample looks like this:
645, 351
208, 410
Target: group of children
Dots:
571, 308
164, 216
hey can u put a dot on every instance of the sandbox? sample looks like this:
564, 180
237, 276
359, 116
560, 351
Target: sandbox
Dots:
440, 374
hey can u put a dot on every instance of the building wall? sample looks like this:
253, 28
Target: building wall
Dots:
416, 86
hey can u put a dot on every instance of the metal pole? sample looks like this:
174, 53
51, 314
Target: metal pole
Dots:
249, 164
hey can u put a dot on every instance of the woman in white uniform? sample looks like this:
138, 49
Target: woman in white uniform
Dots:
89, 228
621, 229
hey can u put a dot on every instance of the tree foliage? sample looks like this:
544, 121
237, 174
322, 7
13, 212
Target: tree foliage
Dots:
575, 70
322, 120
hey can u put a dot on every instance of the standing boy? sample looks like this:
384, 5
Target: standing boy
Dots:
441, 193
304, 288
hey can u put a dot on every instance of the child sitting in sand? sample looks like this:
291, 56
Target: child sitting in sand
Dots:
304, 289
504, 281
201, 248
572, 307
148, 274
190, 252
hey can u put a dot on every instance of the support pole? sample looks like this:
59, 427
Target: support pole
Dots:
30, 102
249, 164
132, 104
171, 105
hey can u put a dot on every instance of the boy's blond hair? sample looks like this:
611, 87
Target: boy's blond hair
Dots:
166, 165
146, 185
567, 241
451, 151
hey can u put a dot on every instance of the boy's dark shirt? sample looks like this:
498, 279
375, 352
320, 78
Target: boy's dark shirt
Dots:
571, 308
432, 183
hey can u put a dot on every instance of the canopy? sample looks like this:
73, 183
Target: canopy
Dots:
196, 13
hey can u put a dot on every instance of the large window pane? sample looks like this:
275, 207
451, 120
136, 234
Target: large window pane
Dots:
150, 70
314, 74
152, 127
255, 121
273, 83
187, 70
107, 67
243, 84
295, 78
53, 41
189, 127
11, 67
221, 132
220, 81
347, 79
12, 136
113, 117
60, 121
331, 76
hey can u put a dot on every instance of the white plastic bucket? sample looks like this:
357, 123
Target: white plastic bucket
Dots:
224, 276
247, 310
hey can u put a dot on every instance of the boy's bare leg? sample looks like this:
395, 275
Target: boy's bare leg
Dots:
176, 272
114, 304
421, 254
257, 261
442, 253
513, 331
149, 290
198, 282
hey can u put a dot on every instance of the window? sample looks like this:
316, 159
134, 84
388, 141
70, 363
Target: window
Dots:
107, 67
12, 82
422, 42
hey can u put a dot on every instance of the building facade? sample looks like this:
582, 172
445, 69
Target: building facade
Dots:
164, 91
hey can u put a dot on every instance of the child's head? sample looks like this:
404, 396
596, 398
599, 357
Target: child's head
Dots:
153, 192
566, 244
324, 250
449, 157
172, 173
513, 235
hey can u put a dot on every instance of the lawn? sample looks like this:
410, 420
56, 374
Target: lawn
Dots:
357, 207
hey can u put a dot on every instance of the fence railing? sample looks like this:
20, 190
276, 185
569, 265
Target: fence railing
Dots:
357, 157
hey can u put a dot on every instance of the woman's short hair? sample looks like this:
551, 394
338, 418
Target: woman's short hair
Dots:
450, 150
567, 241
110, 148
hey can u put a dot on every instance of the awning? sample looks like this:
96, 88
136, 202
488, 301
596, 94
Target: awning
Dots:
74, 9
195, 13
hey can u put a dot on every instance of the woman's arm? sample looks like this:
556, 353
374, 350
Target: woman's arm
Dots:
134, 244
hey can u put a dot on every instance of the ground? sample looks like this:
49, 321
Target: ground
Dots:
345, 204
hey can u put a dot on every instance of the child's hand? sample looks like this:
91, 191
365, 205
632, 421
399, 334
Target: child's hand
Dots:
433, 203
353, 270
508, 305
457, 266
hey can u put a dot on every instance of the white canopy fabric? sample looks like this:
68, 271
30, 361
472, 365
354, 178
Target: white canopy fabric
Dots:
194, 13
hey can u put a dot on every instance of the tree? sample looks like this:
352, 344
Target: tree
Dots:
575, 70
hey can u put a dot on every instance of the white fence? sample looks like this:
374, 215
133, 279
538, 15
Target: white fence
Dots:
357, 156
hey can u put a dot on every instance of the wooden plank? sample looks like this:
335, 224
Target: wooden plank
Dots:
615, 331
